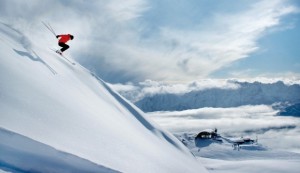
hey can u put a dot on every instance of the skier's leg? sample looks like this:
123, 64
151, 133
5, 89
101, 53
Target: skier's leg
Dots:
64, 46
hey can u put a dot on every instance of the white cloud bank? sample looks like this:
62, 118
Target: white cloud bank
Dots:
137, 91
277, 132
114, 39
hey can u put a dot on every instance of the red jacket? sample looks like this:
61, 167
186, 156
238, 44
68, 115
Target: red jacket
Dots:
64, 38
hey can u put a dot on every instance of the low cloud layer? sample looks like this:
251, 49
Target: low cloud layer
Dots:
136, 40
277, 132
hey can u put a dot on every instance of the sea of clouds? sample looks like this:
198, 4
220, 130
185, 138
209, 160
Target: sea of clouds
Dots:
261, 121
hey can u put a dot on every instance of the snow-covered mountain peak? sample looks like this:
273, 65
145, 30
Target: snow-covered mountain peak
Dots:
46, 99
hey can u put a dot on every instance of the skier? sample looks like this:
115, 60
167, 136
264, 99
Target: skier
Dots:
62, 42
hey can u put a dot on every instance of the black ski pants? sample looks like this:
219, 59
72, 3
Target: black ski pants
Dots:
64, 46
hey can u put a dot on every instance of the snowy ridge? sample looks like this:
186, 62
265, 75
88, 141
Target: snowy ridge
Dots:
49, 102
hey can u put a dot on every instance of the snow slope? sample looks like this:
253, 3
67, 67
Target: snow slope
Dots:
49, 103
251, 166
40, 157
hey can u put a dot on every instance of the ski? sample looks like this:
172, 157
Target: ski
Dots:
67, 59
73, 63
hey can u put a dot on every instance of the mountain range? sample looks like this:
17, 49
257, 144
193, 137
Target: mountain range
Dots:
247, 93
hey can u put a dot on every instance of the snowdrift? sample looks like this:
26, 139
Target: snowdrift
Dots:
53, 110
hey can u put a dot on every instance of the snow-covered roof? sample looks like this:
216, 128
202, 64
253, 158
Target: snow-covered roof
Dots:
208, 131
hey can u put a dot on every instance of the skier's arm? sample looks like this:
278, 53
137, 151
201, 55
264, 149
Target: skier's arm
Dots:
61, 35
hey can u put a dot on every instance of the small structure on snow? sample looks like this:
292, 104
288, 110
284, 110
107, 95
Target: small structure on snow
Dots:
207, 137
243, 140
207, 134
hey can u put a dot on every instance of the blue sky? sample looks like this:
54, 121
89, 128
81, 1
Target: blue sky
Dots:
166, 40
277, 45
278, 55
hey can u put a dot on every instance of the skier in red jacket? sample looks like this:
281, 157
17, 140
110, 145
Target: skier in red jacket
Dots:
62, 42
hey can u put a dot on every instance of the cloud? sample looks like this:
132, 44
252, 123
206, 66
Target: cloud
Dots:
135, 40
227, 120
126, 10
288, 77
136, 91
231, 37
273, 131
172, 52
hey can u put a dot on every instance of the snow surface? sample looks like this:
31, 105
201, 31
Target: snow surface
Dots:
2, 171
40, 157
251, 166
49, 105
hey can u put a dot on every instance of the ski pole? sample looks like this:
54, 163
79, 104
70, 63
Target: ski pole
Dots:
51, 28
48, 26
